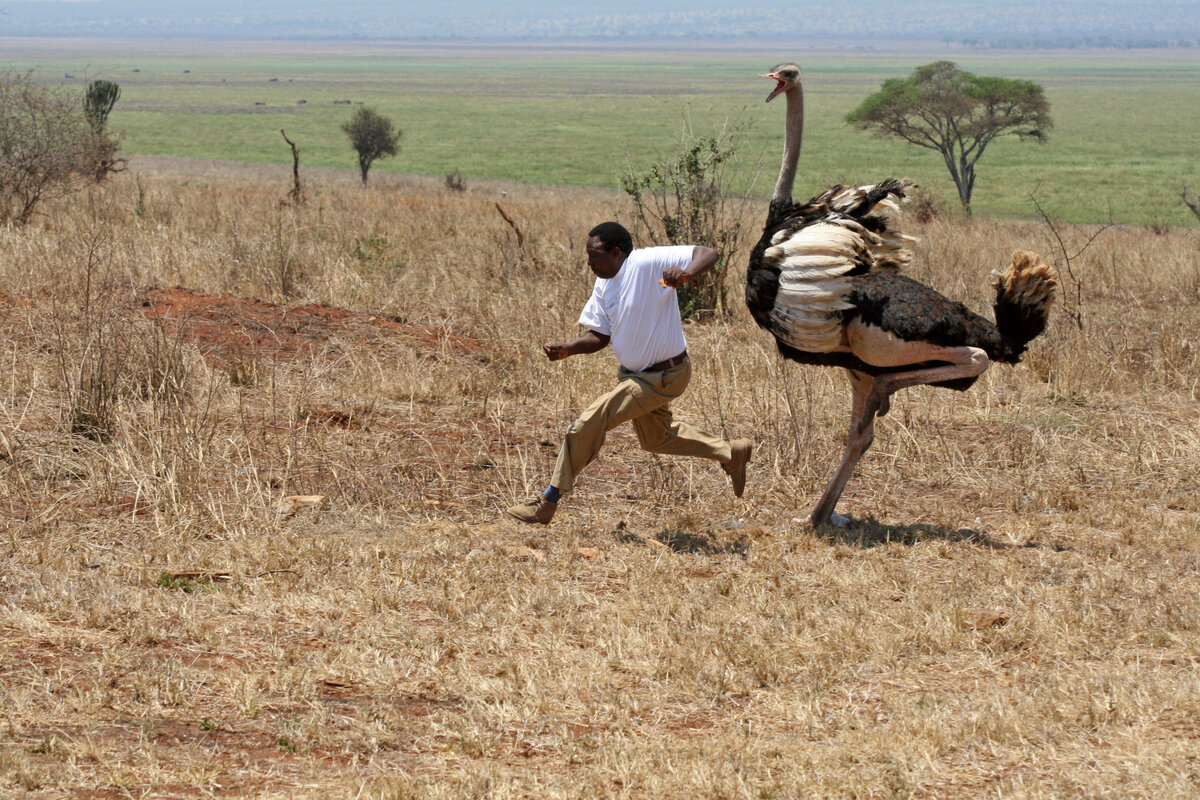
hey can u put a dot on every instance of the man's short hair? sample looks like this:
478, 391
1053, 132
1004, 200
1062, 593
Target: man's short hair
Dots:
613, 234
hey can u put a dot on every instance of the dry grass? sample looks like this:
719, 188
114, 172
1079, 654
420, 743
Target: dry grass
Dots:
166, 631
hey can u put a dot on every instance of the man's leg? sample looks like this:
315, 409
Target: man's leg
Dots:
658, 431
629, 400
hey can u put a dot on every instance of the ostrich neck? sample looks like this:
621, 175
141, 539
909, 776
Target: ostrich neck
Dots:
791, 146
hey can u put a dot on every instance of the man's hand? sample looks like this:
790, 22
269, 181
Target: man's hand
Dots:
590, 342
556, 351
703, 259
674, 277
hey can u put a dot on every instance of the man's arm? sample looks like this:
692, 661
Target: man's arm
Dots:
703, 259
590, 342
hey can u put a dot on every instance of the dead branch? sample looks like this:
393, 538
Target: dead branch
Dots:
1068, 259
513, 225
296, 195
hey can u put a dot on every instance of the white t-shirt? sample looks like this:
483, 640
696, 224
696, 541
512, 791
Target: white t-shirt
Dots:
639, 314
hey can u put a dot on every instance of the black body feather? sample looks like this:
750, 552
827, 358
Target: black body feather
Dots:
909, 310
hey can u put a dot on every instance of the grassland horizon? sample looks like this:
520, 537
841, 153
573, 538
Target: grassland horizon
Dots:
1122, 148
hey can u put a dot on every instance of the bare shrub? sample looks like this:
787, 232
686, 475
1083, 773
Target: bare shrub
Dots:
46, 146
455, 182
1066, 258
105, 350
925, 206
296, 193
687, 199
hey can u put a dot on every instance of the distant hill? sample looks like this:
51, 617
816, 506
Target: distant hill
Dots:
1021, 23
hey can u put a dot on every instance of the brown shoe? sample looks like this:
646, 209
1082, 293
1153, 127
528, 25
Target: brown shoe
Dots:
538, 511
739, 456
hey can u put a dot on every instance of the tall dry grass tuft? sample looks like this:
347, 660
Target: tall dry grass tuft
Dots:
171, 627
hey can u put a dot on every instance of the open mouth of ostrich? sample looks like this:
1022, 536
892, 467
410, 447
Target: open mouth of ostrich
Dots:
780, 85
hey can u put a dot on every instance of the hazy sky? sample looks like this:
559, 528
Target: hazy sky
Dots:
531, 19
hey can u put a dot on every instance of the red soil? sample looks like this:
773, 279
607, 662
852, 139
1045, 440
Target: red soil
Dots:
228, 329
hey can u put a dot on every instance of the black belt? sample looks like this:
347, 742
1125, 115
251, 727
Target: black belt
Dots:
663, 366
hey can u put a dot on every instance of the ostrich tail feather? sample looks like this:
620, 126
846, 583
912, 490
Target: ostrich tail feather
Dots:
1025, 292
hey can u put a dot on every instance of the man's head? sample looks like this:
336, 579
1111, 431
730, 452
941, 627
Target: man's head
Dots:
608, 245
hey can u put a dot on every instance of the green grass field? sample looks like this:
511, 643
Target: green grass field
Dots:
1122, 149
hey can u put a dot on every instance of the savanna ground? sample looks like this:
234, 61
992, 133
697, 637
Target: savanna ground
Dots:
169, 630
1015, 612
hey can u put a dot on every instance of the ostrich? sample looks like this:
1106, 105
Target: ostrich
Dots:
824, 281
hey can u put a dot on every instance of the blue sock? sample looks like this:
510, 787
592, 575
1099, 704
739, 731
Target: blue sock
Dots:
552, 494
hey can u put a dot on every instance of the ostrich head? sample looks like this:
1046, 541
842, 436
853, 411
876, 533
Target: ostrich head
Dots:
786, 77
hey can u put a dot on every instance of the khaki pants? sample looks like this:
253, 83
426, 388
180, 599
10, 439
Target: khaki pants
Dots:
642, 398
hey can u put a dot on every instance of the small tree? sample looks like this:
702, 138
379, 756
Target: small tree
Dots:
372, 137
98, 101
686, 200
958, 114
46, 146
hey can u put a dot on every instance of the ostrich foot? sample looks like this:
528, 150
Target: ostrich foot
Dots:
834, 519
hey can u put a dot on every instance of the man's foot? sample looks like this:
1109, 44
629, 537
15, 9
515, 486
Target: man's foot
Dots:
538, 511
736, 468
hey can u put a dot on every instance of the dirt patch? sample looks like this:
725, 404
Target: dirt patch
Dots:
228, 330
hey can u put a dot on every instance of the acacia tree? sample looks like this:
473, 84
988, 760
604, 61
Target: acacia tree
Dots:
372, 137
46, 145
956, 113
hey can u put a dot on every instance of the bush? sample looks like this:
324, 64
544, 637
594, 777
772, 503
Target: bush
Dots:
455, 182
925, 206
685, 200
106, 351
46, 146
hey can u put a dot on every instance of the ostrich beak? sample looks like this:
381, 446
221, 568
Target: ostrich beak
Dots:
779, 85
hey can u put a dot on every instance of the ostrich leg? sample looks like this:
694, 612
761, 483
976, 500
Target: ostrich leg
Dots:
865, 404
967, 363
870, 399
